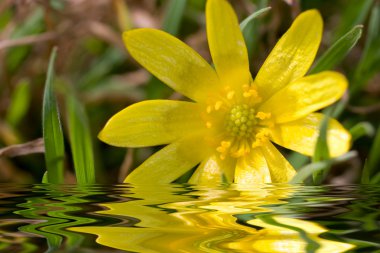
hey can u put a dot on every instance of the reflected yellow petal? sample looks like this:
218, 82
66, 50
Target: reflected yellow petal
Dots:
306, 95
151, 123
172, 61
226, 42
280, 169
278, 238
252, 169
292, 56
170, 162
301, 135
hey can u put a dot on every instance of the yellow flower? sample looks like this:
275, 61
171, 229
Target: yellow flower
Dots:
232, 119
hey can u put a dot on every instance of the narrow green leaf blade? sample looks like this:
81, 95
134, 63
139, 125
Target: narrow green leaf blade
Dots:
336, 53
370, 59
306, 171
52, 130
321, 150
19, 103
354, 14
45, 178
374, 157
365, 174
244, 24
80, 141
362, 129
173, 16
250, 28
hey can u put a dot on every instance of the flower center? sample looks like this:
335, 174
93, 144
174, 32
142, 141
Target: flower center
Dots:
241, 120
236, 122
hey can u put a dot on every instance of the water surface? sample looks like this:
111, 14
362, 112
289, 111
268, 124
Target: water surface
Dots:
186, 218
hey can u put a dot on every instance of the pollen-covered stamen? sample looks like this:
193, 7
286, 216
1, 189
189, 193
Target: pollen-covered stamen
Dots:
240, 121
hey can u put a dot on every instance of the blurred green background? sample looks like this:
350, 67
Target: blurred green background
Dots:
95, 77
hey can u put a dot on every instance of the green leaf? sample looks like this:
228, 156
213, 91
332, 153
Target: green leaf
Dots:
173, 16
250, 28
20, 101
311, 168
374, 158
321, 152
370, 59
80, 141
101, 68
336, 53
244, 24
33, 24
51, 126
45, 178
297, 160
365, 174
362, 129
354, 14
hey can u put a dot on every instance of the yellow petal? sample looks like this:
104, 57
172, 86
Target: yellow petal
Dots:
292, 56
252, 169
301, 135
152, 122
226, 43
172, 61
170, 162
306, 95
212, 169
280, 169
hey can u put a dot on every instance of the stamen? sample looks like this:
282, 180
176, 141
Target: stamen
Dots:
218, 105
223, 149
230, 95
263, 115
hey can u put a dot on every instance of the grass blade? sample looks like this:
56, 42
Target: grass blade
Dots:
365, 174
374, 158
368, 65
336, 53
250, 28
354, 14
19, 103
80, 141
173, 16
321, 152
311, 168
52, 130
362, 129
244, 24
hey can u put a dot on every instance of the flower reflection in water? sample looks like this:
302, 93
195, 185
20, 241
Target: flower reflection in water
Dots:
233, 219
